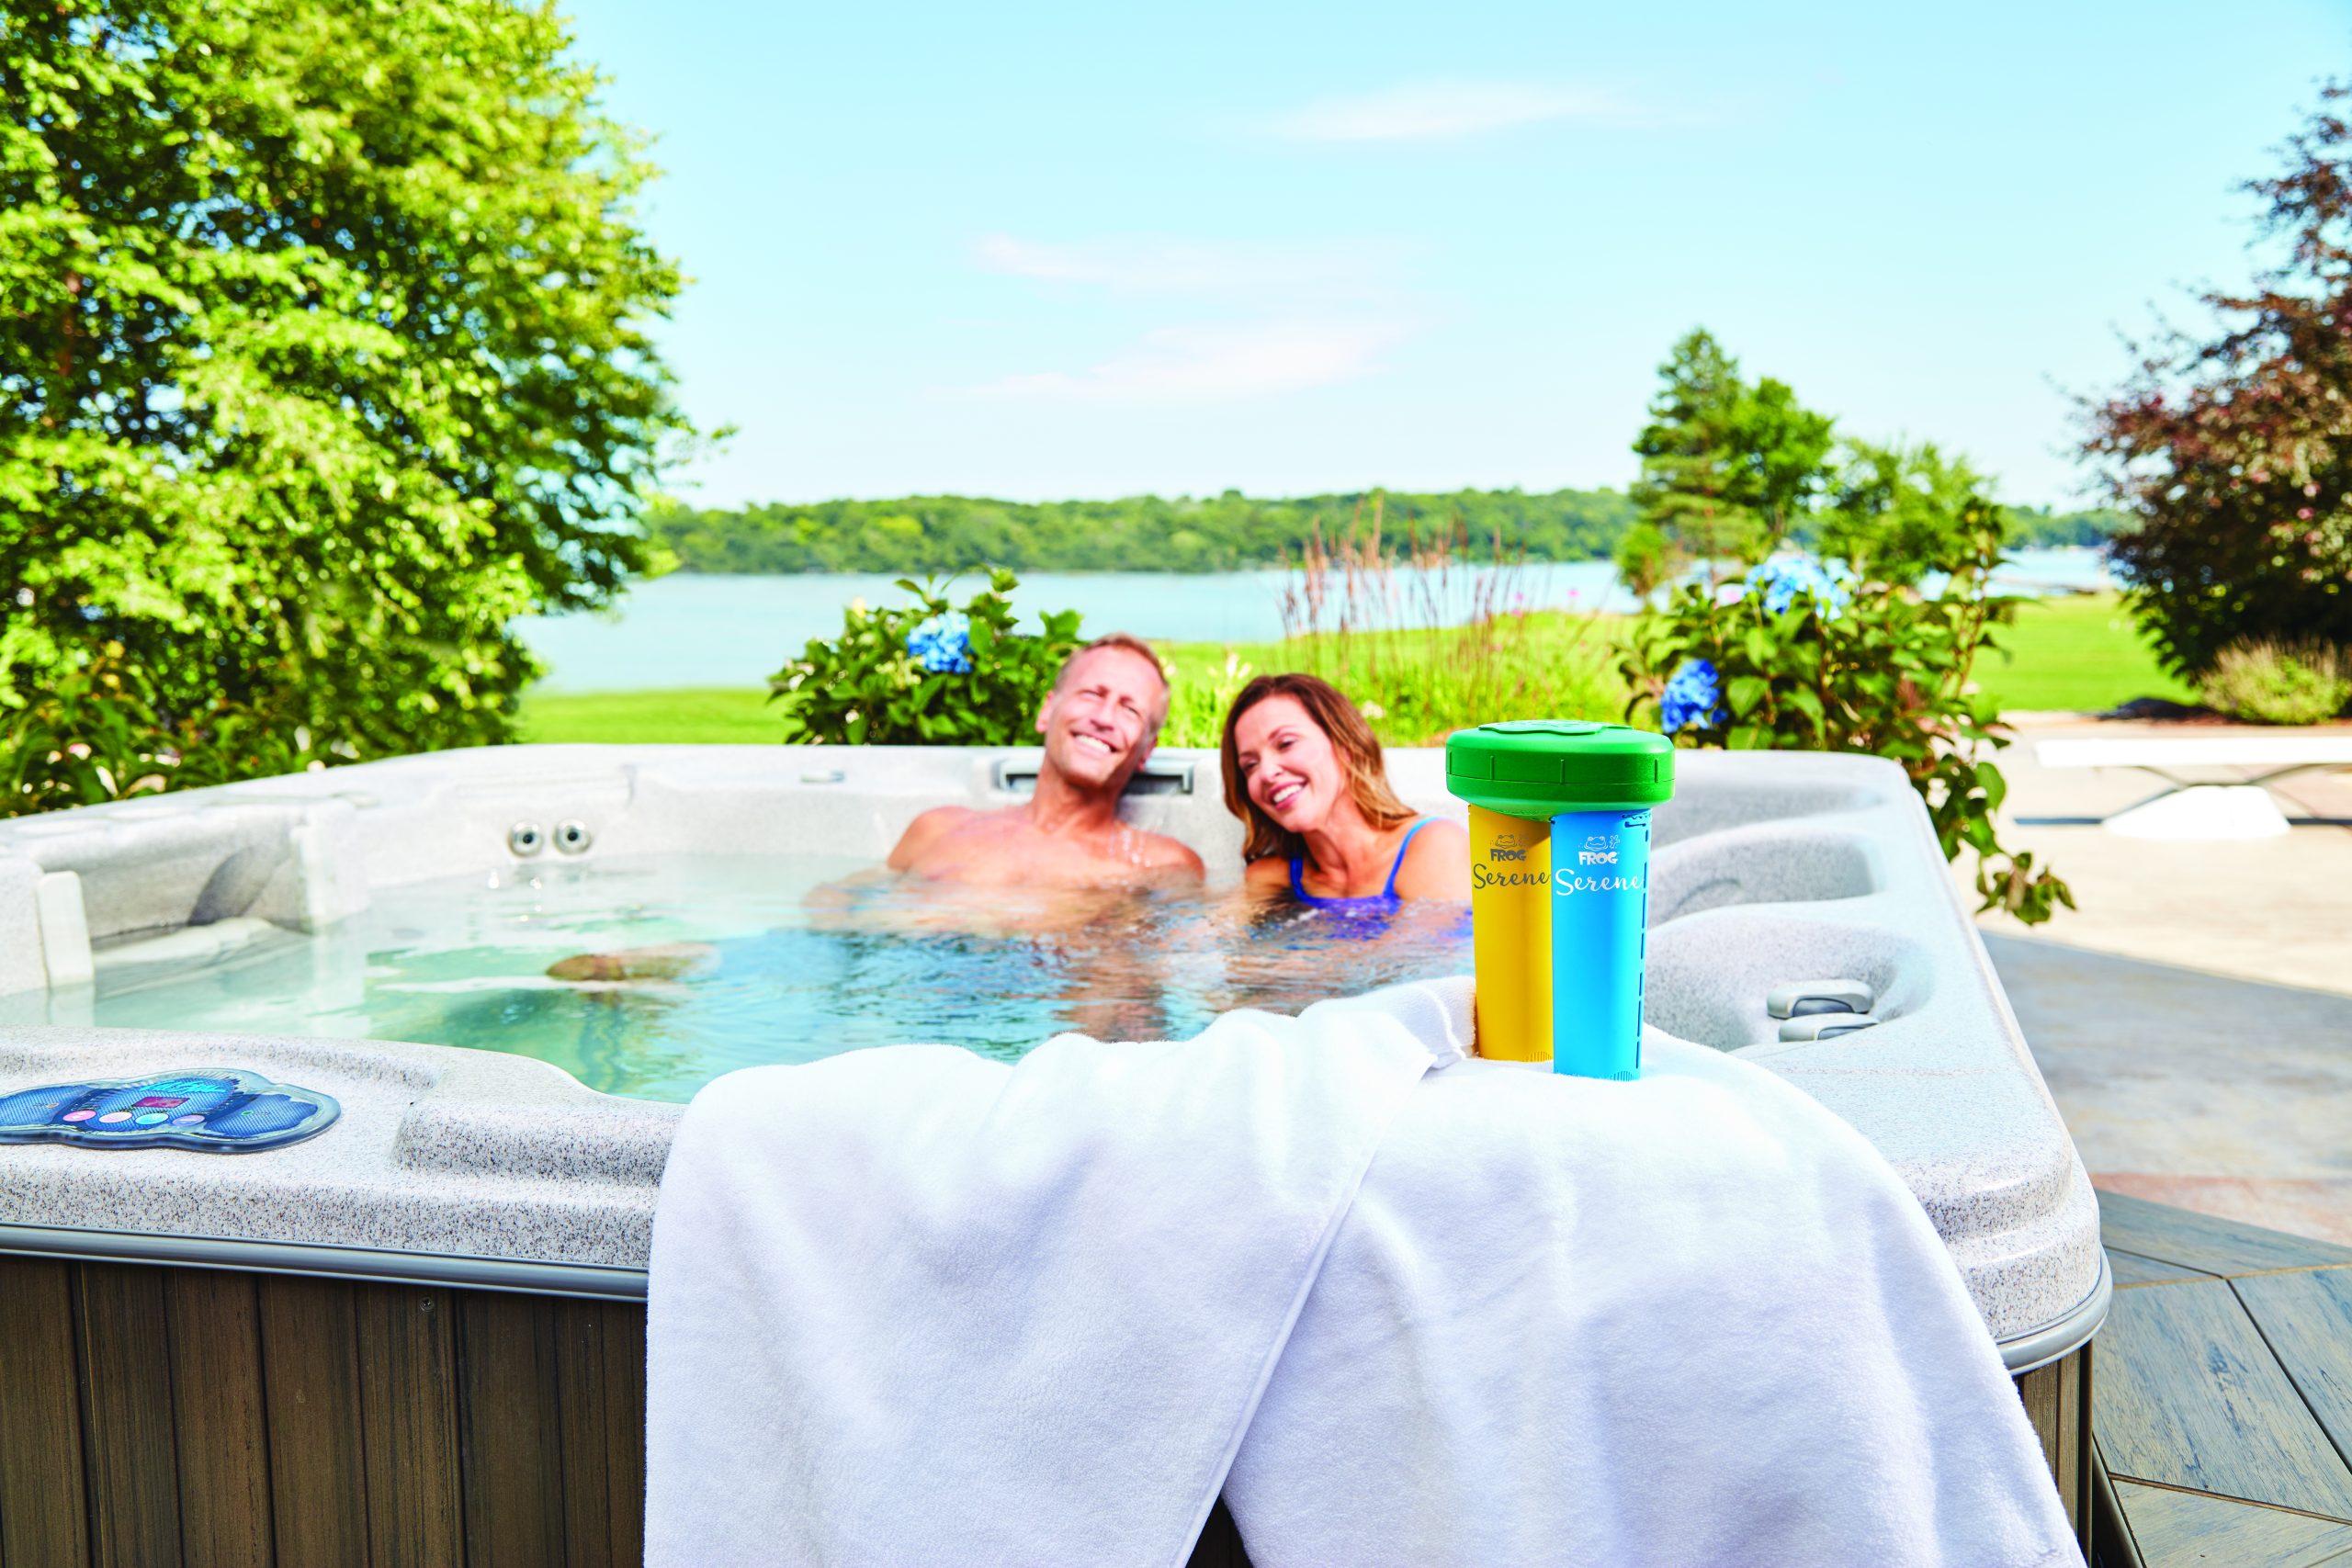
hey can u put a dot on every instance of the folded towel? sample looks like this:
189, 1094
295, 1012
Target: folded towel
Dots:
909, 1307
1690, 1320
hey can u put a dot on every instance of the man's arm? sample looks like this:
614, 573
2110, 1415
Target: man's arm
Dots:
923, 833
1268, 874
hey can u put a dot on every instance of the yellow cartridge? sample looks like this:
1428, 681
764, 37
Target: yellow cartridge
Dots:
1510, 934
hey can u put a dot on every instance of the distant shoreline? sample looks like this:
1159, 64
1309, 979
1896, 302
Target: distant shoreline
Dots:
1189, 536
1462, 563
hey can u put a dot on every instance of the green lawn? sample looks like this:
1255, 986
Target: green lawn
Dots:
651, 718
2079, 652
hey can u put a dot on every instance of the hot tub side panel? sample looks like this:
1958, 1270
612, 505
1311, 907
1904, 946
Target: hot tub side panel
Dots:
159, 1415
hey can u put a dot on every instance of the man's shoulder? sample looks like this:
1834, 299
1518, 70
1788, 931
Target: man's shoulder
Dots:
1161, 851
941, 820
927, 829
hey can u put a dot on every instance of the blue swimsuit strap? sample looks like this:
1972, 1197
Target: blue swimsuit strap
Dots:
1389, 890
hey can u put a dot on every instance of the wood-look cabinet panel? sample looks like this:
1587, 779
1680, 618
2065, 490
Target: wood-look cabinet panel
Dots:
44, 1517
311, 1396
219, 1424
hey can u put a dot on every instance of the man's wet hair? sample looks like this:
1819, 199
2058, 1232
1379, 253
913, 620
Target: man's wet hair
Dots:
1134, 645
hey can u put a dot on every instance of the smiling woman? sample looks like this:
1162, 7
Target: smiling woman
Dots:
1304, 772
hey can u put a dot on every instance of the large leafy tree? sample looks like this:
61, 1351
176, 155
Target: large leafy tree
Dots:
1898, 512
2235, 453
322, 355
1782, 452
1728, 468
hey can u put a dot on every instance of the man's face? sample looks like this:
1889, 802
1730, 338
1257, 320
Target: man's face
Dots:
1098, 726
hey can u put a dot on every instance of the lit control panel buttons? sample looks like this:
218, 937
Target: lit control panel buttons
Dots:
231, 1111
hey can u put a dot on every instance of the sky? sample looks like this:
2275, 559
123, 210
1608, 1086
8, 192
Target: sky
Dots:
1042, 252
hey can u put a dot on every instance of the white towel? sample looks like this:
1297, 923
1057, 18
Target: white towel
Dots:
1690, 1320
913, 1307
909, 1306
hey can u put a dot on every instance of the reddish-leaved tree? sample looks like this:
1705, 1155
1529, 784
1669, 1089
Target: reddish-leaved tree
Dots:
2235, 454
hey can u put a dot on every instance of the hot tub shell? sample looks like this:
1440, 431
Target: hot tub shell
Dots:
463, 1171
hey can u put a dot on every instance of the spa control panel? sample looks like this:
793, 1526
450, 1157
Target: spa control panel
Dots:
225, 1111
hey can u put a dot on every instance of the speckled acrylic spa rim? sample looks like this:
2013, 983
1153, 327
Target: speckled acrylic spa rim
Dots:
458, 1167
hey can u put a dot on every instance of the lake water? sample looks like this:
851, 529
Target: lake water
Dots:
735, 631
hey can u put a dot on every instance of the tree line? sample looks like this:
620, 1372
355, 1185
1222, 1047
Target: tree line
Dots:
935, 534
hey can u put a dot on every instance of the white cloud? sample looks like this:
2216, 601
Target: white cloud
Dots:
1423, 111
1300, 314
1182, 266
1212, 364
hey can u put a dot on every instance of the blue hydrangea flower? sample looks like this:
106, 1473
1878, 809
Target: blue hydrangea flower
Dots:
942, 644
1692, 696
1784, 577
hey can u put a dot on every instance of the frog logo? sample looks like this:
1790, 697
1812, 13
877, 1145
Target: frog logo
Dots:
1599, 848
1507, 846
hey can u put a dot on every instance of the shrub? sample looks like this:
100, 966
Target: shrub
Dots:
95, 735
925, 673
1804, 657
2270, 682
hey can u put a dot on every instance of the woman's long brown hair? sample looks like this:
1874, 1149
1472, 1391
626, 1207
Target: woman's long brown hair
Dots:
1351, 738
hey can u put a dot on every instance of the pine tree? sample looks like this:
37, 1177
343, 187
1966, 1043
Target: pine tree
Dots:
1727, 470
1689, 467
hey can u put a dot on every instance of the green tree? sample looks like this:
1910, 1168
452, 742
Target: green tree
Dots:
1898, 512
1781, 450
1728, 470
322, 355
2235, 454
1688, 488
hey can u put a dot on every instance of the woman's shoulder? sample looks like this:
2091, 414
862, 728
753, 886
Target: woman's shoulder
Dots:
1437, 863
1435, 839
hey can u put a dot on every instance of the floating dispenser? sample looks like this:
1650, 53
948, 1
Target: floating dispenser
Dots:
1560, 886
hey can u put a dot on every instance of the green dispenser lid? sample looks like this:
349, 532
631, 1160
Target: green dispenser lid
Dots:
1539, 767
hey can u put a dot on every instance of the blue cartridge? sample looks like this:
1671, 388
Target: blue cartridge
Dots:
1600, 906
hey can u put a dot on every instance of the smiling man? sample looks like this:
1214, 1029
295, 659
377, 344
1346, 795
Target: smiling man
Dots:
1099, 722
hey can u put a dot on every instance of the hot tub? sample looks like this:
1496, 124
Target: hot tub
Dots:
419, 1332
